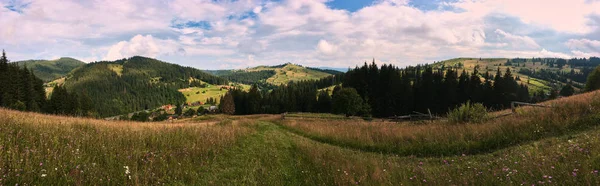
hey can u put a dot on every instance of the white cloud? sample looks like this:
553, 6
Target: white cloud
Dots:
325, 48
562, 15
518, 41
584, 45
140, 45
255, 32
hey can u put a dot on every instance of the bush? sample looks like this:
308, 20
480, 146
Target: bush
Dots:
593, 80
468, 113
190, 112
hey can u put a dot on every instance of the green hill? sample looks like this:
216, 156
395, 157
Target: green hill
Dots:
274, 75
49, 70
537, 73
137, 83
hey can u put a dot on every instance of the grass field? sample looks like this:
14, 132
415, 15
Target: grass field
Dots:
558, 145
194, 94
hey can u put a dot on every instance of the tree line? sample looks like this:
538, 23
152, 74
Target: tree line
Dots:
22, 90
385, 91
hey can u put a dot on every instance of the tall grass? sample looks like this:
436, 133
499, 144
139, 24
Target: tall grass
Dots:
52, 150
567, 116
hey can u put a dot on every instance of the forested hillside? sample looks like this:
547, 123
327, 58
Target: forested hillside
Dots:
539, 74
267, 76
137, 83
49, 70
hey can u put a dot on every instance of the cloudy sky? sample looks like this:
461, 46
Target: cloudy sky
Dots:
225, 34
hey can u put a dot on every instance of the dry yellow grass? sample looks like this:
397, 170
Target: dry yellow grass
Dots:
430, 138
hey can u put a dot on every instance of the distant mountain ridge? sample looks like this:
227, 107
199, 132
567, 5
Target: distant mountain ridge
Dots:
49, 70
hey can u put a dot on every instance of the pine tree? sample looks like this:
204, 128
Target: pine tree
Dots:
227, 104
324, 102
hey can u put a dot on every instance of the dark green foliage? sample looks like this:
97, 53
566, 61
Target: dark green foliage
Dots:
593, 80
324, 102
348, 102
468, 113
162, 117
251, 77
141, 116
567, 90
190, 112
62, 102
227, 104
179, 109
393, 91
20, 89
134, 84
49, 70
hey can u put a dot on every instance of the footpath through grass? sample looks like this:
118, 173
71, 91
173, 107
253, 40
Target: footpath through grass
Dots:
268, 157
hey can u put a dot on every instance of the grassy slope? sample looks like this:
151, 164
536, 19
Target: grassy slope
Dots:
194, 94
252, 150
285, 73
49, 70
492, 65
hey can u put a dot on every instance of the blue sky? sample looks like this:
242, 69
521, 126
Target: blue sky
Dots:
225, 34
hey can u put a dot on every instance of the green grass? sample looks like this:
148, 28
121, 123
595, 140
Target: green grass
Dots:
194, 94
291, 73
538, 146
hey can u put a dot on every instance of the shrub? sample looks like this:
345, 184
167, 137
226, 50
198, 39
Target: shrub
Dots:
468, 113
190, 112
593, 80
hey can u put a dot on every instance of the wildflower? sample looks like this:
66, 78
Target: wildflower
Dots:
41, 164
425, 181
126, 169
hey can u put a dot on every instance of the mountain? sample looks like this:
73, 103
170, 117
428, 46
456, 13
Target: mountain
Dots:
49, 70
274, 75
137, 83
539, 74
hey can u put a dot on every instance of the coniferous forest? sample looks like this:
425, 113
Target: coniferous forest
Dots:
20, 89
387, 91
135, 84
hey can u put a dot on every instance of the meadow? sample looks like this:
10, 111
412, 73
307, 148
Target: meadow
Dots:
558, 145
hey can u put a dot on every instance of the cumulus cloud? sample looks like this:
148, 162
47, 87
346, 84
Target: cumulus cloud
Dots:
517, 41
325, 48
584, 45
141, 45
257, 32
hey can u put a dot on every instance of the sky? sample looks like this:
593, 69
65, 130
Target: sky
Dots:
232, 34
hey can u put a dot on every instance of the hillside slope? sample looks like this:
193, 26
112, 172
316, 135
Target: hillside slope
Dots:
49, 70
543, 74
274, 75
134, 84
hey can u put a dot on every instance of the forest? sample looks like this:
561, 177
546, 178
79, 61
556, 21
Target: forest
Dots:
385, 91
22, 90
135, 84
